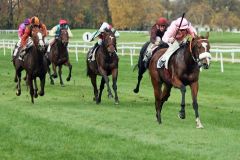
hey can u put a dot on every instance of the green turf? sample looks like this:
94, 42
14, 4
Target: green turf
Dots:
66, 124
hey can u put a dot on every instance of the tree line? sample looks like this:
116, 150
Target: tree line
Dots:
123, 14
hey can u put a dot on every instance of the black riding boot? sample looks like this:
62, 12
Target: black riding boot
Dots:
92, 51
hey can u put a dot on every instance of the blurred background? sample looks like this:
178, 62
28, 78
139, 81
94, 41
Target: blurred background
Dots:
207, 15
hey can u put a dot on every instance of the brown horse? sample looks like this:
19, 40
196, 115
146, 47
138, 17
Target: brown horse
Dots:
183, 70
58, 56
35, 64
106, 64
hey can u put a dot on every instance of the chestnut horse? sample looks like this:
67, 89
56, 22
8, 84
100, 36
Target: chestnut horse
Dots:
183, 70
58, 56
35, 64
105, 64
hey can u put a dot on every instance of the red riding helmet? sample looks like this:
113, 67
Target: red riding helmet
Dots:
63, 21
162, 22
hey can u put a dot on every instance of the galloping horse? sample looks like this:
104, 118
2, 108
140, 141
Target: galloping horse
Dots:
35, 64
106, 64
183, 70
143, 65
58, 56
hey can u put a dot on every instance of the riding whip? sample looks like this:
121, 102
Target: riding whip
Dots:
179, 25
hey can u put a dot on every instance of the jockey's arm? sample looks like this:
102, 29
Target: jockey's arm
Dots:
52, 32
69, 32
25, 37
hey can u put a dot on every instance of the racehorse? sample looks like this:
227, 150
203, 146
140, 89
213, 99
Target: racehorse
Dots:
183, 70
58, 56
143, 65
105, 64
35, 64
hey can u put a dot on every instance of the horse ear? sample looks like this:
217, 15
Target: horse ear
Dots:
207, 35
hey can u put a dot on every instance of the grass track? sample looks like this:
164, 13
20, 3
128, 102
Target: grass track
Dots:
67, 124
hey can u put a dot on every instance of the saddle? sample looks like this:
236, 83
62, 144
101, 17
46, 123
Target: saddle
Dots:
160, 46
91, 56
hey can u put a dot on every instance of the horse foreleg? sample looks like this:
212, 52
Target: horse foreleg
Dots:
18, 75
94, 84
114, 86
35, 88
70, 71
50, 76
54, 75
101, 89
104, 74
60, 75
30, 82
42, 83
156, 83
194, 90
182, 111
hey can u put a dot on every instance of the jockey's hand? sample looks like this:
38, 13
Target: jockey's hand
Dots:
171, 40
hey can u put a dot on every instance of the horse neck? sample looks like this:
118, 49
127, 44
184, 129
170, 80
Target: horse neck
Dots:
188, 55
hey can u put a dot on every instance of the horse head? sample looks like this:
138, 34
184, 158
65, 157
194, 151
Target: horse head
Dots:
64, 38
199, 48
109, 42
37, 37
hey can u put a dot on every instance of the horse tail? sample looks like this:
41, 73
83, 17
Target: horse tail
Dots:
134, 68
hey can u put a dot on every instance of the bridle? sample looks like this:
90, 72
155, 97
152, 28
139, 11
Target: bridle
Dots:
202, 55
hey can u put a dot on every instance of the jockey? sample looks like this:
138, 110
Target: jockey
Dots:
21, 30
104, 27
175, 36
26, 42
157, 32
55, 31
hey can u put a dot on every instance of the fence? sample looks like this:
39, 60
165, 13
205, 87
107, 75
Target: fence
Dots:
132, 49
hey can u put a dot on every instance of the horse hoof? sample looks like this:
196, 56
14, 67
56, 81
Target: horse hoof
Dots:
68, 79
110, 96
136, 90
35, 95
18, 93
181, 115
117, 102
62, 85
54, 75
41, 93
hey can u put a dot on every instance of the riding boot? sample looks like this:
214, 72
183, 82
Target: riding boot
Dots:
166, 56
22, 53
91, 56
148, 53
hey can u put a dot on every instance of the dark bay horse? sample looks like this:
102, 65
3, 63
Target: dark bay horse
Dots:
183, 70
58, 56
35, 64
143, 65
105, 64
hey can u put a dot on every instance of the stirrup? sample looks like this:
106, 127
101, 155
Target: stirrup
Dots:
161, 63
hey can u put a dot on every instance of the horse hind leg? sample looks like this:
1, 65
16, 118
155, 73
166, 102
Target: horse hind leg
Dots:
94, 84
